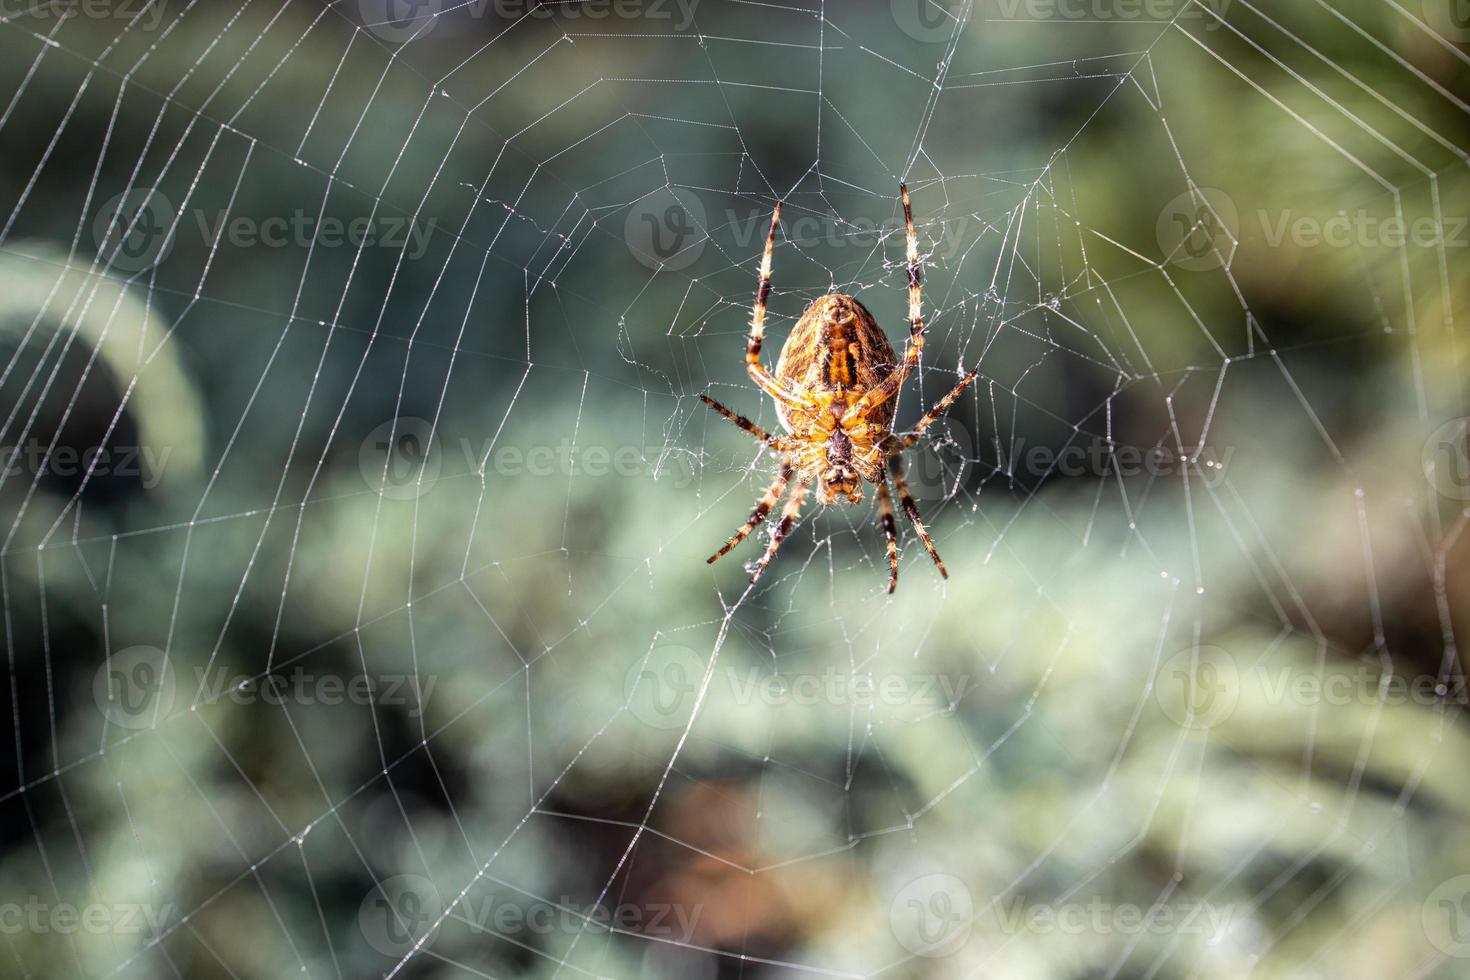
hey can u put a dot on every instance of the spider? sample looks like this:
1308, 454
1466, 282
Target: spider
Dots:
834, 388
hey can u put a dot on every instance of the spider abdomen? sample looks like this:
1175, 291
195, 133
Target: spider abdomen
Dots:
836, 353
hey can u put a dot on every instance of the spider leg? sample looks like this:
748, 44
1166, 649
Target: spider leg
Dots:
889, 386
895, 466
773, 494
940, 407
890, 531
768, 382
789, 514
774, 442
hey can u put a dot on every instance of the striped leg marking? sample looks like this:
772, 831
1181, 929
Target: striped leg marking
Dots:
940, 407
789, 514
743, 422
768, 382
889, 386
890, 532
773, 494
895, 466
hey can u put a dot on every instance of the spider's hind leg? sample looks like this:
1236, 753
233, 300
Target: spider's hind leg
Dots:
890, 531
895, 467
789, 514
773, 494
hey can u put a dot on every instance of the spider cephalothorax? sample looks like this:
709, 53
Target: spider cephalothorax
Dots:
834, 387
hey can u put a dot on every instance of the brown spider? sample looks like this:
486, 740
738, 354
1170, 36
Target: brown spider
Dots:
834, 388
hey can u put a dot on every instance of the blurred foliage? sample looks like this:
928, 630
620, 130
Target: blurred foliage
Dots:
515, 766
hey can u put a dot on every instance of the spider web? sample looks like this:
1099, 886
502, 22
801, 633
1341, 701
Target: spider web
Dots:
358, 491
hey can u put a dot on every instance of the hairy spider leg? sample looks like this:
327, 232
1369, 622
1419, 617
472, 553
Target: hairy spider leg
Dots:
895, 466
789, 514
889, 386
774, 442
890, 532
768, 382
773, 494
940, 407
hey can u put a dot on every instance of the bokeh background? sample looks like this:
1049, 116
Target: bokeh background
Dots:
357, 491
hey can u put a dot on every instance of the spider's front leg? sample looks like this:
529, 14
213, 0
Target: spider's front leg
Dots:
889, 386
768, 382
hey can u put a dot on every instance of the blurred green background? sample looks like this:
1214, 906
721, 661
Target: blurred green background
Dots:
357, 491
